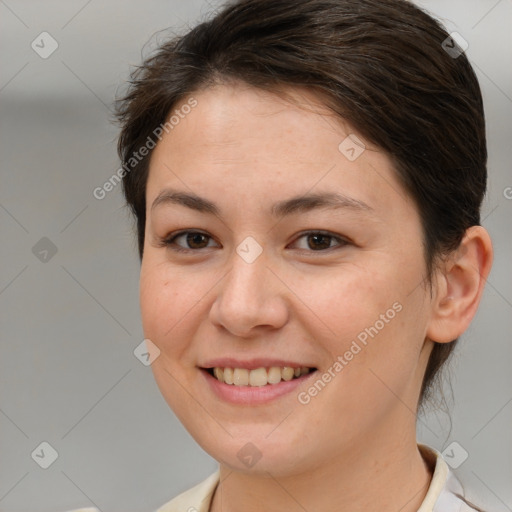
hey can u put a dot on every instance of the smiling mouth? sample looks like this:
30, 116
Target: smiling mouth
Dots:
259, 376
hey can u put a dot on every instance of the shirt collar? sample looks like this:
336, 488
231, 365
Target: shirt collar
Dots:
443, 495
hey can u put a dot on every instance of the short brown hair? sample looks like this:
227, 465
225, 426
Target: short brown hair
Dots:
379, 64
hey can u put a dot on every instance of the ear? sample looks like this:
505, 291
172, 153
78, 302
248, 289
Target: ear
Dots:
459, 286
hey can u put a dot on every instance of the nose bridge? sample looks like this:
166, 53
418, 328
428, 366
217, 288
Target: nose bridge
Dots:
248, 268
244, 284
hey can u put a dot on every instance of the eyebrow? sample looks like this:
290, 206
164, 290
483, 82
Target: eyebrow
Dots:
298, 204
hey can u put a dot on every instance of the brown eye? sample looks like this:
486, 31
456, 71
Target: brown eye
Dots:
189, 241
320, 241
197, 240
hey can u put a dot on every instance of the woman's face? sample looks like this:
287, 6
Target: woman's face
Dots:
307, 253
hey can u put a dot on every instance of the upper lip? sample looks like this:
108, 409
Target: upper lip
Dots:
252, 364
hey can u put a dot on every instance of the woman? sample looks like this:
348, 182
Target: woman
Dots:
307, 178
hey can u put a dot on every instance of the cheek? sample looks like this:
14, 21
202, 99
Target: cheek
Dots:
349, 300
167, 304
368, 316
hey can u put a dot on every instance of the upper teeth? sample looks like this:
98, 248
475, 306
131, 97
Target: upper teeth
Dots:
259, 376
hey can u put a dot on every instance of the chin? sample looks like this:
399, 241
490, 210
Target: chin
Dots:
250, 449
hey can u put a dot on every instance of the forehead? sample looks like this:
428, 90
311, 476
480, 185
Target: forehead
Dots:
241, 138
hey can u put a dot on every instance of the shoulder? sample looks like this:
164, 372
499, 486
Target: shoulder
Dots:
88, 509
196, 499
453, 497
446, 493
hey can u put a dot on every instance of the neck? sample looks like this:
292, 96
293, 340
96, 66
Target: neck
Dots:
373, 471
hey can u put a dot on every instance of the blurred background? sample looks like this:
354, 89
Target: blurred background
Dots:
69, 270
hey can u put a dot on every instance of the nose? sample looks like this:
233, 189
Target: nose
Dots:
250, 298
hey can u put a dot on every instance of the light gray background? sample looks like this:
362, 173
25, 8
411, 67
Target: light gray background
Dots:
69, 326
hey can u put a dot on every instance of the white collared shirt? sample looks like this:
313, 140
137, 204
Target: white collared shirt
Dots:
445, 493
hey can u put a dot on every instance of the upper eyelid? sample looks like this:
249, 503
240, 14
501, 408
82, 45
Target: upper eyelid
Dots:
342, 241
170, 239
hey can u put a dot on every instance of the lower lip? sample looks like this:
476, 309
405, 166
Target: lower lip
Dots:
253, 395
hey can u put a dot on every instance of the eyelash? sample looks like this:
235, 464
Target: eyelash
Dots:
170, 241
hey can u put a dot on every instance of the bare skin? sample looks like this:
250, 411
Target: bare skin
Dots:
353, 444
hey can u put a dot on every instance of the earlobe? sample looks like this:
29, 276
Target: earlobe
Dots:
460, 285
